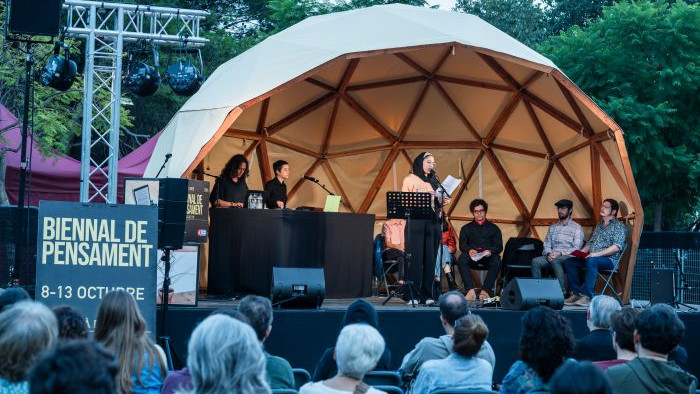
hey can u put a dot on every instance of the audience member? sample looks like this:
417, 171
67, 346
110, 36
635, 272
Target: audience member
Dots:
563, 237
579, 378
71, 323
393, 235
598, 345
359, 311
357, 351
13, 295
657, 331
76, 367
622, 325
453, 306
258, 310
181, 380
480, 242
461, 369
446, 256
225, 356
545, 343
120, 327
27, 328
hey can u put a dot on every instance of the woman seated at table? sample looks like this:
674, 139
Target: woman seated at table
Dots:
230, 189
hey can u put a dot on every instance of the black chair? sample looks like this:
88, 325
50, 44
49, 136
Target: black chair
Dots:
382, 378
464, 391
284, 391
388, 266
301, 377
518, 255
389, 389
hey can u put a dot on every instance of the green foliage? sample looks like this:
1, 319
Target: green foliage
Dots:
639, 62
563, 14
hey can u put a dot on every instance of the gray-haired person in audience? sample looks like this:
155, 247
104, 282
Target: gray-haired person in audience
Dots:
357, 351
225, 356
27, 329
597, 345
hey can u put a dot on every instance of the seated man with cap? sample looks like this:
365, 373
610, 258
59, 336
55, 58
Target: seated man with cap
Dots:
563, 237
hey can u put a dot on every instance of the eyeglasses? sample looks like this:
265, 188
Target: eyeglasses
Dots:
479, 211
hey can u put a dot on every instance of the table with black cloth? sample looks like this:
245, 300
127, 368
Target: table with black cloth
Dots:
245, 244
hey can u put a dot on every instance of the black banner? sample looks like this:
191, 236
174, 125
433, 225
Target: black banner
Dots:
84, 251
197, 211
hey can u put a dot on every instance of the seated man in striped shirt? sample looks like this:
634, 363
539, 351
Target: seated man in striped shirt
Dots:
563, 237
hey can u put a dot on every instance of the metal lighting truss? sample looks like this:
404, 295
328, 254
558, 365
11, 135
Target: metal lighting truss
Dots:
106, 26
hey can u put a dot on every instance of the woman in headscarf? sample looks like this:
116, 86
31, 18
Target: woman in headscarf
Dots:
422, 234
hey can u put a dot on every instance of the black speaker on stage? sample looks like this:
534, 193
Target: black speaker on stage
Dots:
527, 293
662, 286
298, 287
35, 17
172, 210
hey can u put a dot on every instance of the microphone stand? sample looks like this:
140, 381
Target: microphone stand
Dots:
314, 180
167, 157
441, 252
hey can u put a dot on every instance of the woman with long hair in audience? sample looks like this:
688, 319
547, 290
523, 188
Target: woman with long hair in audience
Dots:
120, 327
461, 369
545, 343
27, 329
225, 356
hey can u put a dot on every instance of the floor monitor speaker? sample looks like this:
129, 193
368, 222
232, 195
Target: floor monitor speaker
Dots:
35, 17
661, 291
298, 287
527, 293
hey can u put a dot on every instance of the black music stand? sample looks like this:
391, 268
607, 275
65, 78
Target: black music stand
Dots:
408, 205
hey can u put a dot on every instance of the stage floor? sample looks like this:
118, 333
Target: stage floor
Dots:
302, 335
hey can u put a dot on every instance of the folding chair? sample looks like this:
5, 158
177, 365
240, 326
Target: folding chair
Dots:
607, 276
384, 265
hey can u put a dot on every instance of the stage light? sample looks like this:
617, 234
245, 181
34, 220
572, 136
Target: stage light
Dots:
182, 75
142, 79
59, 71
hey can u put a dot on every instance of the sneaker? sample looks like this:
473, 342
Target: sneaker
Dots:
412, 302
583, 301
429, 302
573, 298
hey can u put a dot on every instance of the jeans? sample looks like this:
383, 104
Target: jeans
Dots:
591, 265
541, 262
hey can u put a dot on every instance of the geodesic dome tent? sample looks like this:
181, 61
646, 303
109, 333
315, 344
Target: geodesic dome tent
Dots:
350, 98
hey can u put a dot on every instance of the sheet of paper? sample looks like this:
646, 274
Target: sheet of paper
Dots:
450, 184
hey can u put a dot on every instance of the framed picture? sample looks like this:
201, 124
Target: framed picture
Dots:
184, 276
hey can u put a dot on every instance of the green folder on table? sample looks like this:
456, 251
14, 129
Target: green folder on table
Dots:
332, 203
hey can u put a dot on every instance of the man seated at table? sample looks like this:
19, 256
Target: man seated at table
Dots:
602, 252
275, 188
480, 242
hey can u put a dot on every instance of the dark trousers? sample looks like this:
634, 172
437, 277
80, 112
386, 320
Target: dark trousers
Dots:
397, 255
421, 237
491, 264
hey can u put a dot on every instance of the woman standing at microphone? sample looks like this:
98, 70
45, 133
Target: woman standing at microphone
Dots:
423, 234
230, 189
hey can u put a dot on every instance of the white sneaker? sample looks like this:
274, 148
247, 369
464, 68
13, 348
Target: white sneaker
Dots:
412, 302
429, 302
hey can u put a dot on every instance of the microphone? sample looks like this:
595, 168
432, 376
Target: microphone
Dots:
167, 157
310, 178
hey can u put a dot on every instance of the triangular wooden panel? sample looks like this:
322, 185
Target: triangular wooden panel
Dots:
525, 172
356, 173
480, 106
351, 131
578, 165
288, 101
555, 191
519, 132
436, 121
389, 105
560, 136
381, 68
466, 64
298, 162
428, 58
306, 132
248, 120
392, 182
520, 73
546, 87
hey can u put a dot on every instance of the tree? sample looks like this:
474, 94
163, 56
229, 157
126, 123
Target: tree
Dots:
641, 63
563, 14
521, 19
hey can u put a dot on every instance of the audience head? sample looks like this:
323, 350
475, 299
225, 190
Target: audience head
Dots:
27, 328
658, 329
121, 328
361, 311
469, 334
579, 378
225, 356
13, 295
258, 310
71, 323
77, 366
546, 340
622, 324
600, 309
453, 305
358, 349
